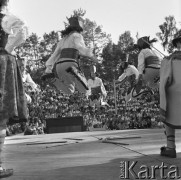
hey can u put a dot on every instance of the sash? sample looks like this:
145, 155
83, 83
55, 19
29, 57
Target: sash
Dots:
152, 61
70, 53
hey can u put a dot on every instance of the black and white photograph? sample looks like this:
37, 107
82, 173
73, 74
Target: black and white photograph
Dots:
90, 89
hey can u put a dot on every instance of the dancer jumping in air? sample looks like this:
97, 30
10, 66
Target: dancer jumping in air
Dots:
97, 92
63, 63
130, 75
149, 62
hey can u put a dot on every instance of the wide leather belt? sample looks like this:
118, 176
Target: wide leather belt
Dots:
70, 53
66, 61
152, 60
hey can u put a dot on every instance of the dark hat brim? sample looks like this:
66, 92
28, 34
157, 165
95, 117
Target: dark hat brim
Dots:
141, 42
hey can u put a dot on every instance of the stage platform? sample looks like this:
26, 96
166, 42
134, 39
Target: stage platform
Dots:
90, 156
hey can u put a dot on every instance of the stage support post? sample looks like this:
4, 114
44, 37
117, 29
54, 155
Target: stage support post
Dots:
115, 96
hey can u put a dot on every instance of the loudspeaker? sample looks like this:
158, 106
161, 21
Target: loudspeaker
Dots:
64, 124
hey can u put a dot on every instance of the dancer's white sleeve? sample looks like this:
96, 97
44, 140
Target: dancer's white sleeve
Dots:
141, 63
80, 45
122, 77
135, 71
53, 58
88, 93
103, 89
17, 30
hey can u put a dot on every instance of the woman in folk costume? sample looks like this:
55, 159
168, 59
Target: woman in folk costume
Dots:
97, 92
13, 32
130, 75
64, 61
148, 63
170, 97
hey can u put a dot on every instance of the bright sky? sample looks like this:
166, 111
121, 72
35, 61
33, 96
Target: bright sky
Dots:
116, 16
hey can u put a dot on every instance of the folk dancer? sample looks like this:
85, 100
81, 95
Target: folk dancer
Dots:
64, 61
97, 92
13, 32
149, 62
130, 75
170, 97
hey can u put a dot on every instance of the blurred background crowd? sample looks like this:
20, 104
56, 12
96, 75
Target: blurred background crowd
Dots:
50, 103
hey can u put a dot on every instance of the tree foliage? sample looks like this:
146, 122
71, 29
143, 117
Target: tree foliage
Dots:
95, 37
168, 29
38, 50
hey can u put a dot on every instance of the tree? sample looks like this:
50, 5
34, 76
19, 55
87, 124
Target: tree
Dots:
48, 44
95, 37
170, 46
126, 45
125, 41
30, 50
168, 29
108, 65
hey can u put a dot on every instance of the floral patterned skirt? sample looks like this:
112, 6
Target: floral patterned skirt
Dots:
12, 96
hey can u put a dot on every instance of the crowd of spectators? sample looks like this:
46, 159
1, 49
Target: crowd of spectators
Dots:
50, 103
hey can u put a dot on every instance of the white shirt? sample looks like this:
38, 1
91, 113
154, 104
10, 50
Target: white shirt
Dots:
130, 70
74, 40
97, 82
17, 30
144, 53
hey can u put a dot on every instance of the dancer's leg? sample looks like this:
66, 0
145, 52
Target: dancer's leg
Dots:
170, 149
170, 133
3, 172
